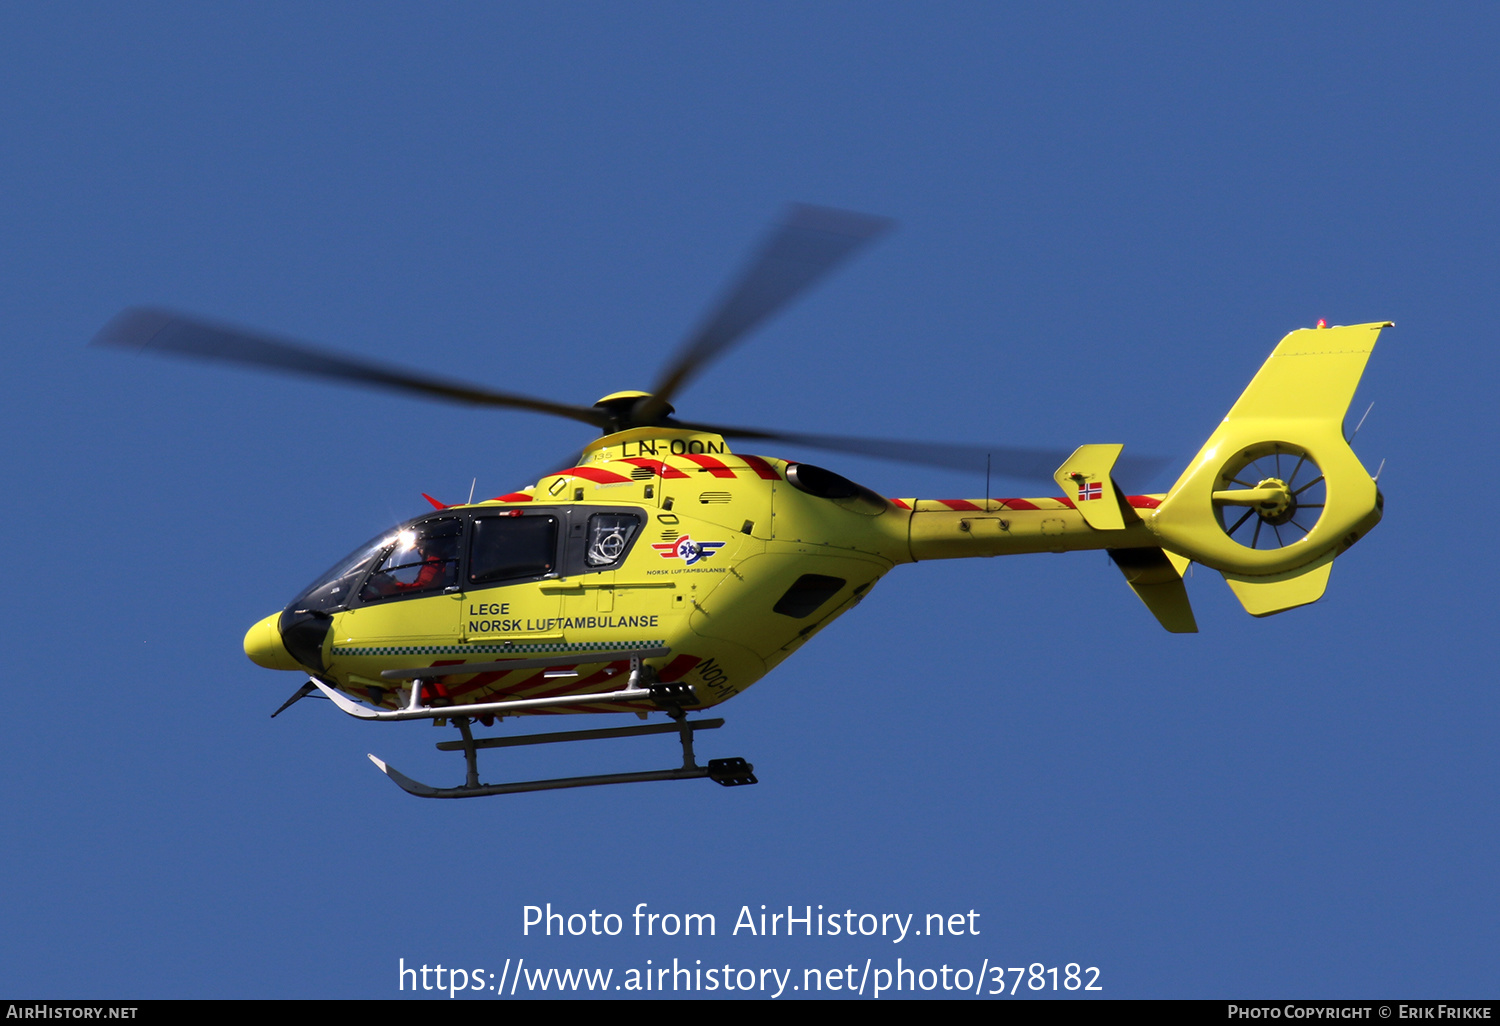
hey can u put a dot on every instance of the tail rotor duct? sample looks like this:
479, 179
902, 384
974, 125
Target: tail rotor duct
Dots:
1271, 496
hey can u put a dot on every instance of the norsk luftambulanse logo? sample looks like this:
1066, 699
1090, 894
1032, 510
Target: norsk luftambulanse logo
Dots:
687, 550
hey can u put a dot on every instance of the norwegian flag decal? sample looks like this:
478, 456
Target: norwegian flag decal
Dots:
1090, 490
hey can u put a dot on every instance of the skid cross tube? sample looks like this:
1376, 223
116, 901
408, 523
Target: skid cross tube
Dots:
578, 735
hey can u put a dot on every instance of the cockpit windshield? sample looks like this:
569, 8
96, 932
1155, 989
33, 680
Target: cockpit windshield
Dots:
332, 590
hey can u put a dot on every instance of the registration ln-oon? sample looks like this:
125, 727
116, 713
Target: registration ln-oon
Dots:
661, 570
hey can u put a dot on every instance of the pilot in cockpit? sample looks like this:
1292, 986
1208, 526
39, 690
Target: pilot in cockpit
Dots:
418, 563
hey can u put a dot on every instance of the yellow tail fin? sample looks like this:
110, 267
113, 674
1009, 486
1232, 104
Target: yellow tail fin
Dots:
1276, 492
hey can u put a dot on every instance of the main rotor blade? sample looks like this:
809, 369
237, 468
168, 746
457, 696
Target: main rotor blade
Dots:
1006, 461
143, 328
808, 244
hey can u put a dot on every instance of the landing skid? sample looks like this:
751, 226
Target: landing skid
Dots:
641, 686
728, 772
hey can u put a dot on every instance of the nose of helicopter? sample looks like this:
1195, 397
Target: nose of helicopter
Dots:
263, 646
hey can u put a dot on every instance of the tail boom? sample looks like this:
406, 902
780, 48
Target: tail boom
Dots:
1277, 463
959, 528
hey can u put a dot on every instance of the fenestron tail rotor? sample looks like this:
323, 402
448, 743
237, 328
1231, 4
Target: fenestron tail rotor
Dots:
1271, 496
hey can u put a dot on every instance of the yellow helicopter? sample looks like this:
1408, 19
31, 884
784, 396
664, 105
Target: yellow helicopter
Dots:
663, 572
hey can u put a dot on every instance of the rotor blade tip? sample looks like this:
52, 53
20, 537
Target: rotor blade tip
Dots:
833, 221
132, 328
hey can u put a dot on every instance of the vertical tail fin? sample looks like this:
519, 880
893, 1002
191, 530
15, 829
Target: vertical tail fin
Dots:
1276, 492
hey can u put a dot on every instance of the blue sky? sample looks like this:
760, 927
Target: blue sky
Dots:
1107, 216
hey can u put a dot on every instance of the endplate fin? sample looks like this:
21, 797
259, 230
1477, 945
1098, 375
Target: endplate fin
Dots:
1085, 479
1156, 582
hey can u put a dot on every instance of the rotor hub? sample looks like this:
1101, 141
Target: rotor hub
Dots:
1278, 507
622, 407
1271, 495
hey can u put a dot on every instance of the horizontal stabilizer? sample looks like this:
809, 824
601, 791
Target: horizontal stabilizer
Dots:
1155, 580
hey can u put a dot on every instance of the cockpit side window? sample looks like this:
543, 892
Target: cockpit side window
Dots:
422, 559
512, 548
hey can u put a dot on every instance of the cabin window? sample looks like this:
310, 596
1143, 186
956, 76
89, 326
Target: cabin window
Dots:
610, 535
512, 548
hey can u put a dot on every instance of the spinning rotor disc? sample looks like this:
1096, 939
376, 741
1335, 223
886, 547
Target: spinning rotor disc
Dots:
806, 246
